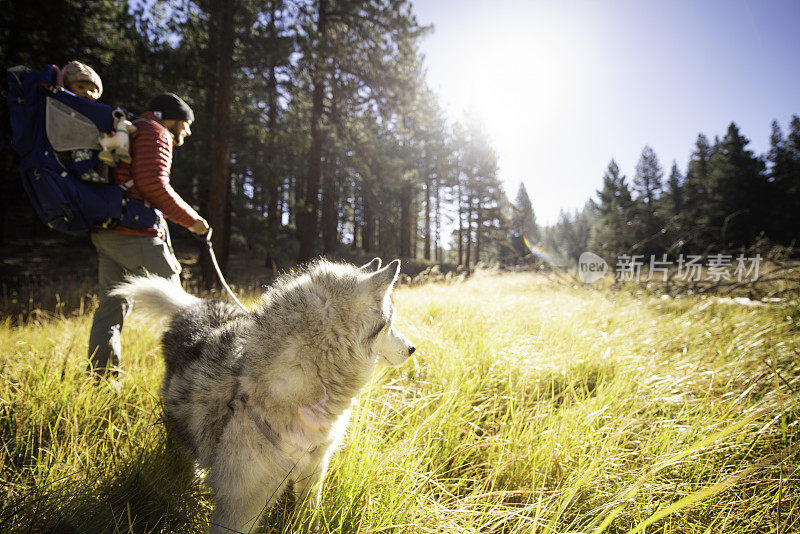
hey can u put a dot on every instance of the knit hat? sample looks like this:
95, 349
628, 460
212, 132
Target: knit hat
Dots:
168, 106
75, 71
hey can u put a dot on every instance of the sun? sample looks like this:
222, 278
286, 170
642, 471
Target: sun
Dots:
518, 83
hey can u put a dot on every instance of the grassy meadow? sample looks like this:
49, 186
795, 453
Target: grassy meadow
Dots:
529, 407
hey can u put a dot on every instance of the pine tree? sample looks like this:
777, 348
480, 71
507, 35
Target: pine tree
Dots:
647, 180
670, 211
647, 184
223, 21
792, 185
674, 194
307, 214
737, 191
794, 134
613, 234
784, 184
570, 236
523, 222
696, 195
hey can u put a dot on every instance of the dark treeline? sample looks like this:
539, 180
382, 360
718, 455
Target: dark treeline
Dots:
314, 132
727, 198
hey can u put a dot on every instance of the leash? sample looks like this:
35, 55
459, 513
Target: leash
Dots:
207, 241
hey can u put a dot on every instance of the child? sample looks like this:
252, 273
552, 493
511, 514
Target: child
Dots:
84, 82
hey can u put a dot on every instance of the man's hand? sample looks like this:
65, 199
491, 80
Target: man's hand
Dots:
199, 227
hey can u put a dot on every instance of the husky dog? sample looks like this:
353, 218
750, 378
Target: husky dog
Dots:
261, 399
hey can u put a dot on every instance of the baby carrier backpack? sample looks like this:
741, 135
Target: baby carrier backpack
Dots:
45, 119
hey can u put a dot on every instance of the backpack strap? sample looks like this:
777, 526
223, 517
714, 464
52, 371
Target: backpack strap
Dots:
137, 213
127, 185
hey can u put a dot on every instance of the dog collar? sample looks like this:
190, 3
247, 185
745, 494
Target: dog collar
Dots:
262, 426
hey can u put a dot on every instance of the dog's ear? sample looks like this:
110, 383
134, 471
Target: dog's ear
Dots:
372, 266
385, 278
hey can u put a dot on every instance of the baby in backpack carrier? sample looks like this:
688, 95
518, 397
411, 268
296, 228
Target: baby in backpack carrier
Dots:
84, 82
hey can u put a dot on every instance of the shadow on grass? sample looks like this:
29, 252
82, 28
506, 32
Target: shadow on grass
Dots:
158, 491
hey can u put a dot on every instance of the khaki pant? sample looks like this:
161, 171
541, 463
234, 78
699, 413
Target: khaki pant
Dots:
120, 255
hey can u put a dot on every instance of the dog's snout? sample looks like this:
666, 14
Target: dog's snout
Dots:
411, 350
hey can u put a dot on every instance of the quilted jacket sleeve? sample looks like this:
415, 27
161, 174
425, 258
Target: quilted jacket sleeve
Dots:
152, 161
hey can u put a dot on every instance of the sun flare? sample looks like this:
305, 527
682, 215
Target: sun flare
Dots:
512, 82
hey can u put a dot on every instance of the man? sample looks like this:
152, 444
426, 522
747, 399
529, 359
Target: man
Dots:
121, 250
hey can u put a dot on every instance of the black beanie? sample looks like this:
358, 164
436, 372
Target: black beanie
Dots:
171, 107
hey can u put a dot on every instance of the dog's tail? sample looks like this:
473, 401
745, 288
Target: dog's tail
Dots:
154, 296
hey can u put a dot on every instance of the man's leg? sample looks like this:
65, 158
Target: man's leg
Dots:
104, 337
119, 255
159, 259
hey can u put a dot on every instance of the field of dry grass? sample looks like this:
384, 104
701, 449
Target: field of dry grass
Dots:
528, 407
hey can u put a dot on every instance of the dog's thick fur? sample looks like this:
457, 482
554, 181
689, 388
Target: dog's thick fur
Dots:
262, 398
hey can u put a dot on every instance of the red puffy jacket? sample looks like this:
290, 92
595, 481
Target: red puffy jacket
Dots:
151, 154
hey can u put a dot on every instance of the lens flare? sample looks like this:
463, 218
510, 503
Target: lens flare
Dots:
538, 250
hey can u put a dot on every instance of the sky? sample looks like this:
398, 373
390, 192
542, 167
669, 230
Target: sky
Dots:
564, 86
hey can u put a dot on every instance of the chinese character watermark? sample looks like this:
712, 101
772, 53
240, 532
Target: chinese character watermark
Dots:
688, 268
718, 268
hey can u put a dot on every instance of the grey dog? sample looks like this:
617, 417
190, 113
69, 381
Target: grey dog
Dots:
261, 399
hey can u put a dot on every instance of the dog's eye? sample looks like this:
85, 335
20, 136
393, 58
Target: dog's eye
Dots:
378, 330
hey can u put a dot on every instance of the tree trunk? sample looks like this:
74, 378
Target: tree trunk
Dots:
437, 243
10, 184
273, 217
297, 190
354, 244
460, 225
478, 223
427, 244
307, 214
330, 216
368, 223
405, 220
219, 175
468, 258
414, 226
282, 189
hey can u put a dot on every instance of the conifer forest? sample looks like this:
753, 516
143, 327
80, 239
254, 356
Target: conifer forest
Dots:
316, 134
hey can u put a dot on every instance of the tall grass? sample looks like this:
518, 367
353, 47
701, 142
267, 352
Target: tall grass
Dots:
528, 407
